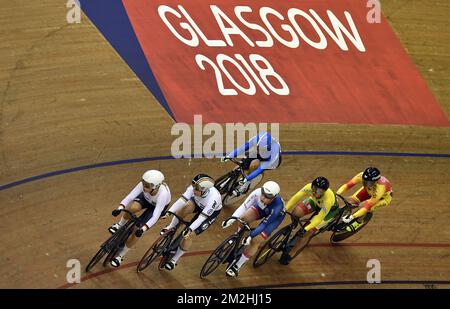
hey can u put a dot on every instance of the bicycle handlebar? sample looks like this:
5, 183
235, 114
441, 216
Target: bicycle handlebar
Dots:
244, 223
347, 203
178, 217
134, 218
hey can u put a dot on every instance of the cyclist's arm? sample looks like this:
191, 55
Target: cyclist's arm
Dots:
132, 195
274, 214
243, 148
350, 184
182, 200
255, 173
296, 198
160, 204
205, 214
328, 201
367, 205
249, 201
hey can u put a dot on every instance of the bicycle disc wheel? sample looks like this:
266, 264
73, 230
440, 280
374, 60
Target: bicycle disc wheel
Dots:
154, 251
219, 255
272, 246
231, 199
97, 257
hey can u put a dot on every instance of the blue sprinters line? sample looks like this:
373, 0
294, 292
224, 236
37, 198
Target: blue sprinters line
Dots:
286, 153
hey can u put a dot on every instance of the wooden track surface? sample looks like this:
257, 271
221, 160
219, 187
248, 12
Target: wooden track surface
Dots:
68, 100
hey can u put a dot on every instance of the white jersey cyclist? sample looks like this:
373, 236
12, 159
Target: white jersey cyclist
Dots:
152, 195
157, 202
206, 206
202, 199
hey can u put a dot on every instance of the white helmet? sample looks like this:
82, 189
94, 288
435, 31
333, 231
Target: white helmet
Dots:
202, 183
270, 189
153, 178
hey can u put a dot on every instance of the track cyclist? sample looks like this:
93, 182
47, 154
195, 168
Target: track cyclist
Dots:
315, 197
152, 195
375, 193
263, 204
262, 152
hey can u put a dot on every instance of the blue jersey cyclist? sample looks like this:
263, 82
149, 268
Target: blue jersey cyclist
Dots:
262, 152
263, 203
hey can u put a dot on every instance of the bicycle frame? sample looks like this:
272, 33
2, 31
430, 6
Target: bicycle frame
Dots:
232, 175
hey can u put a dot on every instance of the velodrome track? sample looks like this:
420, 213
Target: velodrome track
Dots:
78, 128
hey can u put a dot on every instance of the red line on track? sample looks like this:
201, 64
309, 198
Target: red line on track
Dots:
196, 253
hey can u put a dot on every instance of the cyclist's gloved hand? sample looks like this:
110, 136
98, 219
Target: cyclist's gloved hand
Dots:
228, 222
224, 159
247, 241
348, 219
139, 232
116, 211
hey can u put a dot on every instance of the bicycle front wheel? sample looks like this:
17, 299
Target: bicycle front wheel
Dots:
231, 199
154, 251
97, 257
344, 234
272, 246
219, 255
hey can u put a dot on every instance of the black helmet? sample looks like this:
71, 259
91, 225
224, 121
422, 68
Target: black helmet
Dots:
321, 183
371, 174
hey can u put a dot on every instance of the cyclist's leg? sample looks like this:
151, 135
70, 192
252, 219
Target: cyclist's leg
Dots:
134, 207
248, 166
302, 209
188, 208
257, 241
187, 242
143, 218
252, 214
383, 202
359, 197
175, 208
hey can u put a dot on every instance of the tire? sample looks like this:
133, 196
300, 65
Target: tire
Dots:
230, 199
112, 254
339, 236
219, 255
300, 250
154, 251
97, 257
272, 246
164, 260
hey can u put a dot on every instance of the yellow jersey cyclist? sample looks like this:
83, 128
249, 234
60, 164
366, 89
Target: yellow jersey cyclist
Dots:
376, 192
313, 197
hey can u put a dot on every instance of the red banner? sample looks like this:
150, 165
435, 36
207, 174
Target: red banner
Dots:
322, 61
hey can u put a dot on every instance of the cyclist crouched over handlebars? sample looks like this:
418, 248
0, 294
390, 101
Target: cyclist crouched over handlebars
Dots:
201, 198
263, 203
151, 194
263, 152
